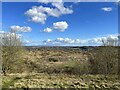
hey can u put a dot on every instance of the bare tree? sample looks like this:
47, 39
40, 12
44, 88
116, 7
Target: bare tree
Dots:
105, 59
11, 49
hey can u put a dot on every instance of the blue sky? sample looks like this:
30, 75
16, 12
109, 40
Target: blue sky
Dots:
85, 21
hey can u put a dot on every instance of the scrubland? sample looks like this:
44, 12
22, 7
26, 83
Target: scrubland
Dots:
84, 68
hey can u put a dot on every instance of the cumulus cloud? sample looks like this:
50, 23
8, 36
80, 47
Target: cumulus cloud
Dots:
48, 41
49, 1
48, 30
107, 9
76, 42
70, 41
92, 41
64, 41
60, 26
39, 14
110, 38
20, 29
44, 1
27, 42
61, 8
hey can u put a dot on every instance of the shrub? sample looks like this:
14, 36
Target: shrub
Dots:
75, 67
104, 60
11, 52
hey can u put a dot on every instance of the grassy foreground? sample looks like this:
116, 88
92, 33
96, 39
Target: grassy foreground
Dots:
43, 80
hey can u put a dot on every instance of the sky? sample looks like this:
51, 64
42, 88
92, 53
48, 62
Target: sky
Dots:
61, 23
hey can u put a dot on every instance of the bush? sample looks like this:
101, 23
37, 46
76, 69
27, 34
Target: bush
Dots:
12, 51
75, 67
104, 60
69, 67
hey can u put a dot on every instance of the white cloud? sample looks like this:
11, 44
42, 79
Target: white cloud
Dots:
64, 41
20, 29
79, 41
69, 41
36, 14
106, 38
39, 14
92, 41
48, 30
44, 1
49, 1
62, 26
107, 9
60, 7
27, 42
48, 41
60, 39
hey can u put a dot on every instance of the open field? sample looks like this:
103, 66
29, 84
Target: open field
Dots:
65, 67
